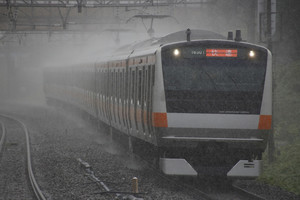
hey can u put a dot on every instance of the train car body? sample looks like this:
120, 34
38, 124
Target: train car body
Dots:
204, 105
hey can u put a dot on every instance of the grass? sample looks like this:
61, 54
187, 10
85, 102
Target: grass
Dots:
285, 170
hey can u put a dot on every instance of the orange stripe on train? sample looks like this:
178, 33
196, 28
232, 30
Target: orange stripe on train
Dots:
159, 120
265, 122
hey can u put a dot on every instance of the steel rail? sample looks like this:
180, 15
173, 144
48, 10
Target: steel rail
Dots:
2, 136
204, 195
38, 193
119, 195
247, 193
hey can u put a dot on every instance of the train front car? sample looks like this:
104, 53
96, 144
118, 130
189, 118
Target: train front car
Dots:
215, 107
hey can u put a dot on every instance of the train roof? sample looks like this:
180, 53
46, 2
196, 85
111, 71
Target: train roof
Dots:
150, 45
196, 34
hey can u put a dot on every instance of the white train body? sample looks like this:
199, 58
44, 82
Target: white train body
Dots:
211, 100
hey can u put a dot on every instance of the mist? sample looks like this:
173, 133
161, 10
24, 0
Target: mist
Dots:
86, 39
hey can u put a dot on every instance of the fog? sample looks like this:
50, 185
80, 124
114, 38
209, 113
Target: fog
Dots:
24, 54
95, 33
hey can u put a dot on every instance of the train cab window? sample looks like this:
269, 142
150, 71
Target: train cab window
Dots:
197, 82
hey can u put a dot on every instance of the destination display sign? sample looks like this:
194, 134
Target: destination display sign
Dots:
221, 52
200, 52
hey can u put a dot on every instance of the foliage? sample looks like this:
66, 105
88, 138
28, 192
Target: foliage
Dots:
285, 171
287, 103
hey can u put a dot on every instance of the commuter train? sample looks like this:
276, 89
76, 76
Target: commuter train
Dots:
199, 102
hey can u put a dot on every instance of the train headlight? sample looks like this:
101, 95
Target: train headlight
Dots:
176, 52
251, 54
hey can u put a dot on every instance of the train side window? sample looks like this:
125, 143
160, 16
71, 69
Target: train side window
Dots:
109, 87
105, 79
101, 82
129, 85
114, 95
146, 97
123, 96
117, 85
129, 96
143, 83
139, 87
148, 101
118, 94
97, 81
113, 84
121, 85
151, 84
153, 74
136, 93
109, 93
133, 86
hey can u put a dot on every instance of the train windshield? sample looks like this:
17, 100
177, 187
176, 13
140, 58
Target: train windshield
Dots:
214, 78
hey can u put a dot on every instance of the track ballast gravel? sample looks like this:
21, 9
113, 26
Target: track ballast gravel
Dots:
59, 138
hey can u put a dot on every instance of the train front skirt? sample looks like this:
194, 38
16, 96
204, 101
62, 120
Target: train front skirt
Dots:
180, 167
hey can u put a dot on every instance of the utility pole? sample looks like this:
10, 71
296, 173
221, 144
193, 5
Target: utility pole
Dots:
269, 24
271, 145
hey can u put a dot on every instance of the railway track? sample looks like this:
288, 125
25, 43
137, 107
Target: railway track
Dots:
101, 184
246, 193
198, 191
214, 190
13, 162
3, 133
